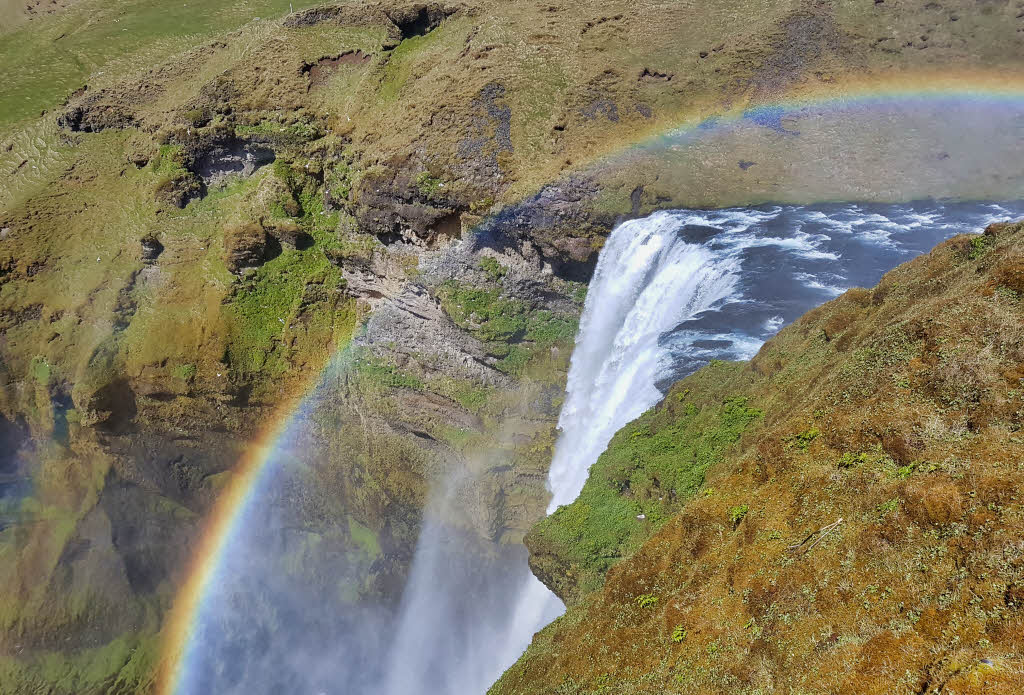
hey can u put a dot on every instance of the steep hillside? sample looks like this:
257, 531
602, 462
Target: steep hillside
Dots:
201, 204
841, 514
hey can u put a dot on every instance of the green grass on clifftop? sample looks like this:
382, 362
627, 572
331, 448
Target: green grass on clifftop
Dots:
47, 58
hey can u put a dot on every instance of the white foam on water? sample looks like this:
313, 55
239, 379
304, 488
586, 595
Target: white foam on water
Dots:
772, 325
814, 282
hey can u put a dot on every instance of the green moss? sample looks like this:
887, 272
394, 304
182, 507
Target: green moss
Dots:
307, 200
263, 305
850, 460
338, 180
802, 440
888, 506
383, 374
651, 467
513, 332
126, 664
292, 133
978, 246
296, 282
364, 538
40, 370
484, 312
186, 372
515, 360
737, 513
545, 328
401, 65
646, 600
495, 271
470, 396
429, 186
170, 161
356, 246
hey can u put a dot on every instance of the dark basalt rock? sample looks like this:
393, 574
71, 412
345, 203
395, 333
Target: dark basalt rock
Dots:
178, 190
151, 248
417, 20
224, 157
95, 112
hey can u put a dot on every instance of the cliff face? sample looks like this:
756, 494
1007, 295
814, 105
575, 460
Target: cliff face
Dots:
213, 204
845, 508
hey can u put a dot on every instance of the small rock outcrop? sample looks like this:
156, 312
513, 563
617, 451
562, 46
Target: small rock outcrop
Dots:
288, 233
151, 248
245, 246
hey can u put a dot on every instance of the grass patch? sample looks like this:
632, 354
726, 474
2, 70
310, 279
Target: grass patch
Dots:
514, 333
978, 246
125, 664
295, 133
402, 64
364, 538
484, 312
495, 271
379, 372
186, 372
49, 57
40, 370
264, 304
651, 467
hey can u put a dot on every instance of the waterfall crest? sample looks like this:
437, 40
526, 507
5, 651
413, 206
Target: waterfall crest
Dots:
648, 281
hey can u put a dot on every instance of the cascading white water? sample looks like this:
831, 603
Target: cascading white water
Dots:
648, 300
648, 281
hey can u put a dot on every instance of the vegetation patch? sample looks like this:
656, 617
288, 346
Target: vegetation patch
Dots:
378, 372
495, 270
651, 467
294, 133
514, 333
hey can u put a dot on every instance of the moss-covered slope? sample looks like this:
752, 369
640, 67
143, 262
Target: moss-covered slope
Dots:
860, 534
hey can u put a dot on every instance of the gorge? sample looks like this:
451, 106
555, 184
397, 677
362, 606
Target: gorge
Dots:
511, 347
670, 293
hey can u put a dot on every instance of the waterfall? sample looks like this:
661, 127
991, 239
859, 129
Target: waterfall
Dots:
670, 292
648, 281
460, 624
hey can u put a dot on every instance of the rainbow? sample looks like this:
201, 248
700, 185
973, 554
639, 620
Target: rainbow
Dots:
988, 88
221, 527
984, 87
